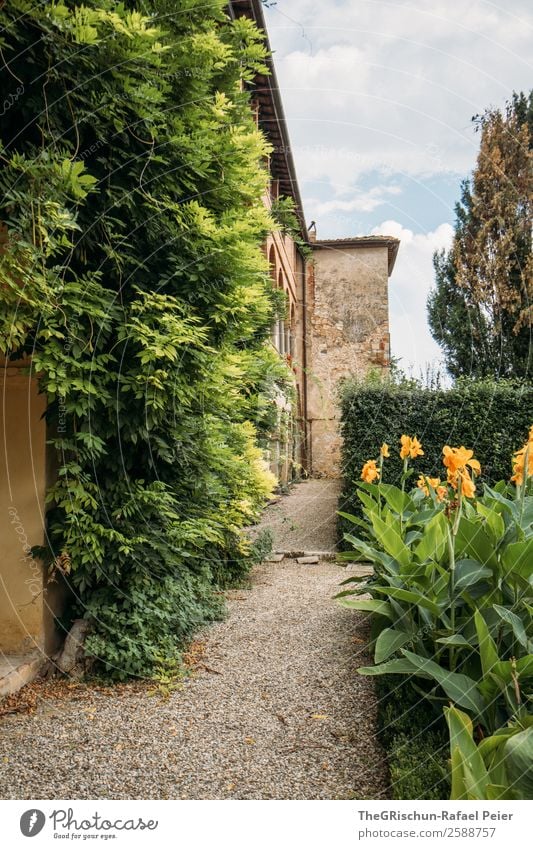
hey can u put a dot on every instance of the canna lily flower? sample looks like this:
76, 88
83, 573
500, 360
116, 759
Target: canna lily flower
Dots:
384, 450
468, 487
441, 493
411, 447
424, 483
457, 462
369, 472
456, 459
519, 461
462, 477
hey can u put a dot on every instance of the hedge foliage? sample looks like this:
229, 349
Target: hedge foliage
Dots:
131, 224
493, 418
415, 738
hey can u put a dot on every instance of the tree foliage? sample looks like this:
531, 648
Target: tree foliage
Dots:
131, 269
481, 308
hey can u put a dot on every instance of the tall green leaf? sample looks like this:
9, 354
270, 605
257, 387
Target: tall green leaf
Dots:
487, 647
391, 540
388, 642
460, 688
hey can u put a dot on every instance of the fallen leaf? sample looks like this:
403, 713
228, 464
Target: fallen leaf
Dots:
250, 741
209, 669
319, 716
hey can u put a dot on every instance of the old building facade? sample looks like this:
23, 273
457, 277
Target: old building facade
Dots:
348, 332
337, 299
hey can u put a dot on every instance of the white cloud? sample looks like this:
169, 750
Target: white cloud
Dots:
410, 283
360, 201
380, 94
392, 86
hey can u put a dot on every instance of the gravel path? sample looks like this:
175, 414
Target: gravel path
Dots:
275, 710
306, 520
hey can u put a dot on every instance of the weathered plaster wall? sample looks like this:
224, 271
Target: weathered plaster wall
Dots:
348, 333
26, 605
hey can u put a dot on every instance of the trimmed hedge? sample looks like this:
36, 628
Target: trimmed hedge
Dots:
415, 740
491, 417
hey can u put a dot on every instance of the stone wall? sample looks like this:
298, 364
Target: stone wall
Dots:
347, 334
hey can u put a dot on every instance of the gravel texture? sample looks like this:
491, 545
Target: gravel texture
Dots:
274, 710
305, 520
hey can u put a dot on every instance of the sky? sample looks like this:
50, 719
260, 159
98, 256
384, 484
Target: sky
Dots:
379, 98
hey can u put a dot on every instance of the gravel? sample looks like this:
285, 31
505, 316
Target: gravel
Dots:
274, 710
306, 520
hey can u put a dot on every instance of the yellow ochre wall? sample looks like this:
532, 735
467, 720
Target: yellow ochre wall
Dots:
26, 621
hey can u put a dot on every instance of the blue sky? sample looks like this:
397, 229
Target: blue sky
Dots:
379, 98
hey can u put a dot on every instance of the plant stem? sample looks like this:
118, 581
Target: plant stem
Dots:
405, 465
524, 483
457, 518
452, 533
451, 550
379, 482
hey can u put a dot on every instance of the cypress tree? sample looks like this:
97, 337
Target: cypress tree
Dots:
481, 307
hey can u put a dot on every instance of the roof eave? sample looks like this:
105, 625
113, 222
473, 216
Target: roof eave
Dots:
358, 242
254, 8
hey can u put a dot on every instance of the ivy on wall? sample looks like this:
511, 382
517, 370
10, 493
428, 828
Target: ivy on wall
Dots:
131, 222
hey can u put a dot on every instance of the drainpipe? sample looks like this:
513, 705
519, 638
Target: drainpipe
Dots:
307, 439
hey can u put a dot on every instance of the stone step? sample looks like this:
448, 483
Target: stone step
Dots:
17, 670
299, 553
310, 557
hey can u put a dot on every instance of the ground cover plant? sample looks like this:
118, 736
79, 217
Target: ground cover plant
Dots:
452, 598
414, 735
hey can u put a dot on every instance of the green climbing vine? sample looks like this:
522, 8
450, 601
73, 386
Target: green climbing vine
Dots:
131, 270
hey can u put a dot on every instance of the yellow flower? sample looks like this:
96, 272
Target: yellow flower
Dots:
384, 450
468, 487
370, 471
424, 483
411, 447
457, 462
456, 459
462, 476
519, 461
441, 493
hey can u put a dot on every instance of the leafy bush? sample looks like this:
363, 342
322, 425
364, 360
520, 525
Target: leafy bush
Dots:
131, 224
452, 589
